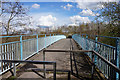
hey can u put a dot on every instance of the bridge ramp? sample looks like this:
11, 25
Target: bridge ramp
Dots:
62, 59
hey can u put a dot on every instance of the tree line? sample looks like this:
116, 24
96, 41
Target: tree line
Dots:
14, 15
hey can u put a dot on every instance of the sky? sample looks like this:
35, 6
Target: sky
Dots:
54, 13
61, 13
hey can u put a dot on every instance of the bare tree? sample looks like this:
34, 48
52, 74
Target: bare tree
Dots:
13, 14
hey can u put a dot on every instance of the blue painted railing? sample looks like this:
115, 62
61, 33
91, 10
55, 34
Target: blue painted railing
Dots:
23, 49
109, 52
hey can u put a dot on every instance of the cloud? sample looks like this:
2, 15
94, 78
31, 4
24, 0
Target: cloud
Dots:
67, 7
68, 0
90, 0
59, 18
36, 6
88, 12
78, 19
90, 4
73, 24
47, 20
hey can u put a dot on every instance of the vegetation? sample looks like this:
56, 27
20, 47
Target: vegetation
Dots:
110, 14
15, 15
106, 24
109, 26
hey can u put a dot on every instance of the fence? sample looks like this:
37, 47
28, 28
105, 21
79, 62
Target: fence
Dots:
110, 53
24, 48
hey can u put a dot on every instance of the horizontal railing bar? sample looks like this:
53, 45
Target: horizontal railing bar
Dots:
67, 51
20, 35
105, 45
108, 62
101, 36
41, 37
28, 61
109, 37
29, 35
10, 43
101, 43
9, 36
29, 39
91, 40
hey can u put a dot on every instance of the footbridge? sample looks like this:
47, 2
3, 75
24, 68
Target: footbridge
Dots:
55, 57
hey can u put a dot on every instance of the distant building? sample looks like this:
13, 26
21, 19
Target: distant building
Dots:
44, 28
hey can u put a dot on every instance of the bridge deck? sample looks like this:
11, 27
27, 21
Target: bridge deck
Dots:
62, 59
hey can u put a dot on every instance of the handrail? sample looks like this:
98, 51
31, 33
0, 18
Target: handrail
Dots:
105, 60
109, 52
102, 43
101, 36
28, 61
24, 48
54, 63
20, 35
108, 62
23, 35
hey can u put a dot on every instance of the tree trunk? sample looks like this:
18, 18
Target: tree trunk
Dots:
8, 26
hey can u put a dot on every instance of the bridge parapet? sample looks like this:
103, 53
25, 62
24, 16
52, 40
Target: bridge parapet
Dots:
24, 48
110, 53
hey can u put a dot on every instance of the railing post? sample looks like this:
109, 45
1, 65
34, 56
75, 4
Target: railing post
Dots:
14, 66
96, 39
93, 65
82, 41
45, 41
54, 72
50, 39
117, 56
44, 64
53, 38
37, 42
21, 47
86, 42
69, 75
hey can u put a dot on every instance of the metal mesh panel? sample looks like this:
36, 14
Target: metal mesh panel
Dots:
107, 51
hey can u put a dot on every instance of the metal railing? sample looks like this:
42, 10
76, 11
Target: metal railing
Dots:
93, 53
24, 48
110, 53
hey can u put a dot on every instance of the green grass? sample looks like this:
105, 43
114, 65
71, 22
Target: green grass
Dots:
12, 78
